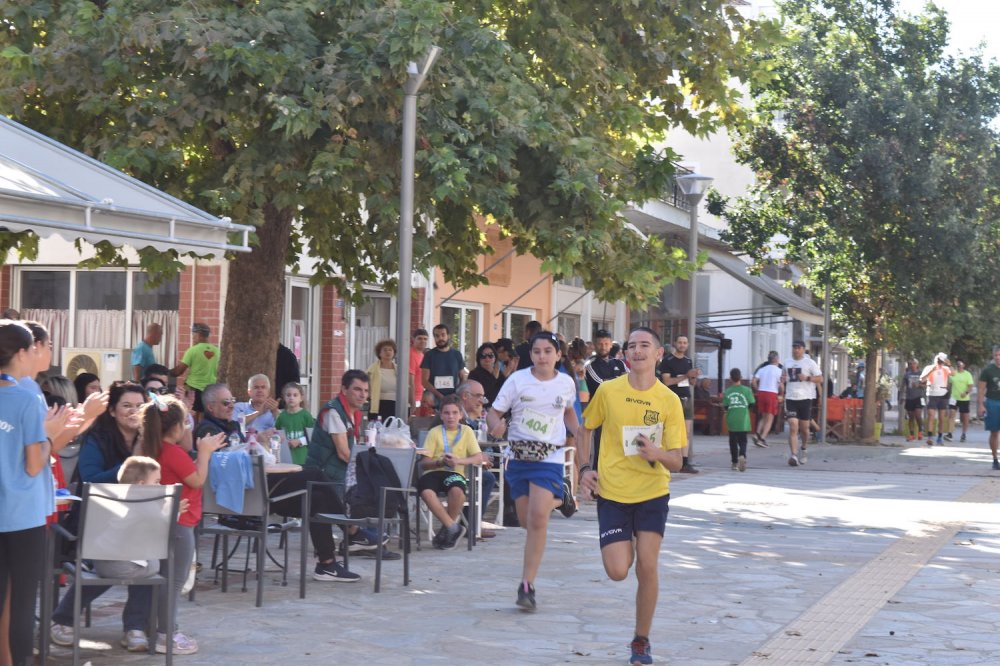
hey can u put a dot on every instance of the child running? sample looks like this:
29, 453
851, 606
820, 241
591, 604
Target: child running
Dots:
540, 399
737, 400
642, 437
164, 420
294, 420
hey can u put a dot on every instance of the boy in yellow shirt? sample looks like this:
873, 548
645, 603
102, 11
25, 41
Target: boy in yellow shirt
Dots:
642, 436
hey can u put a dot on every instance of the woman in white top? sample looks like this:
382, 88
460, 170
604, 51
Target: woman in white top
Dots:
382, 382
540, 399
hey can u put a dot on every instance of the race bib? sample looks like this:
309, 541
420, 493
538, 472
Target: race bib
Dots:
684, 382
444, 382
630, 437
538, 424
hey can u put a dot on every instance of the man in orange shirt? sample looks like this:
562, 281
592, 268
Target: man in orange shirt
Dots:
937, 375
418, 344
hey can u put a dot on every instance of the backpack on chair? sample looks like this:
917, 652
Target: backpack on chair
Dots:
374, 472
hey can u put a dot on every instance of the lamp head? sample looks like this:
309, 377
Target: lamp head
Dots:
693, 184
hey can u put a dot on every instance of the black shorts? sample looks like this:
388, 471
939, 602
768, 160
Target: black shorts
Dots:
441, 481
799, 409
962, 406
913, 404
197, 405
937, 402
617, 521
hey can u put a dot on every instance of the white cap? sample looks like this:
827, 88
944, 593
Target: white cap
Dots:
941, 356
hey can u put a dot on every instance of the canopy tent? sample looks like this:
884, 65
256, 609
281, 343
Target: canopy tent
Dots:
49, 188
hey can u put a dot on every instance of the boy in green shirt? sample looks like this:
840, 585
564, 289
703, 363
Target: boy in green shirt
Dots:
294, 420
737, 401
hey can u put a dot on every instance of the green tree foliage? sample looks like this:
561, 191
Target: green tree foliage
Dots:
874, 155
285, 114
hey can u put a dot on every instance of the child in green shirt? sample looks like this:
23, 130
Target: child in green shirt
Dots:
294, 420
737, 401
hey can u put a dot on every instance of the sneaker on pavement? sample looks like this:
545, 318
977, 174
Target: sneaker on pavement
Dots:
949, 437
452, 537
526, 596
439, 537
568, 506
334, 572
759, 441
365, 539
183, 644
688, 469
802, 456
734, 467
61, 635
996, 465
742, 464
962, 438
930, 441
135, 640
642, 653
793, 461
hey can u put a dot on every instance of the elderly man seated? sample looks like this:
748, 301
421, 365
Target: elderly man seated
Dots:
260, 410
218, 402
473, 397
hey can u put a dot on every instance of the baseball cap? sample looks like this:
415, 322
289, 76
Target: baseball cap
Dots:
798, 343
200, 328
941, 356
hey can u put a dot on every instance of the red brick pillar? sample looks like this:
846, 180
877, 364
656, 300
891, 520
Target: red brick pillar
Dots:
200, 301
6, 288
417, 298
332, 344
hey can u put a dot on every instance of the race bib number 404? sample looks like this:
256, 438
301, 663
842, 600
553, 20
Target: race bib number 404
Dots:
630, 437
537, 423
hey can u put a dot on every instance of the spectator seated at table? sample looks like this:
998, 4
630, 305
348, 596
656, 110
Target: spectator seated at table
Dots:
261, 410
447, 446
218, 402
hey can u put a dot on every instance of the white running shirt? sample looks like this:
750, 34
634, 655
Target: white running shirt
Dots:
797, 376
537, 408
768, 378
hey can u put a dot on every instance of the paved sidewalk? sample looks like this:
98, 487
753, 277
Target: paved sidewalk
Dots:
866, 555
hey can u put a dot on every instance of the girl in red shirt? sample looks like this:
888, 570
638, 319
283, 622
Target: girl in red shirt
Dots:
164, 421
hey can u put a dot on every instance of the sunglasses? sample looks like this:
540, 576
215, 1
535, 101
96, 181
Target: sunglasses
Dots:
228, 402
163, 390
487, 356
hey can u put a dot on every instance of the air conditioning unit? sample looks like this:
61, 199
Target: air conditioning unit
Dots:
108, 364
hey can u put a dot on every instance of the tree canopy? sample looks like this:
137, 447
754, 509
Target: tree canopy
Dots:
875, 156
539, 117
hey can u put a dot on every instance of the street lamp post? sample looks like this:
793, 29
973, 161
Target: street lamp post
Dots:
414, 81
693, 185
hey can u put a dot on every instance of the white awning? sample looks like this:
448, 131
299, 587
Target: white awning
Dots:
798, 307
49, 188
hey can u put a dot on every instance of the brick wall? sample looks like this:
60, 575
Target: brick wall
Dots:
200, 286
332, 343
5, 287
417, 298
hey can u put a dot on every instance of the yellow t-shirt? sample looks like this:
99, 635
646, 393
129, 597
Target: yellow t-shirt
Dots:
623, 413
466, 446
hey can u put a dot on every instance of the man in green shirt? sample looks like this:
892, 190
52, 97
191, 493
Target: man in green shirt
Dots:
737, 401
961, 391
200, 362
989, 391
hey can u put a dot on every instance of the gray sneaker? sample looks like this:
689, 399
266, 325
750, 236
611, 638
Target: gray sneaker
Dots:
61, 635
802, 456
793, 461
742, 464
135, 640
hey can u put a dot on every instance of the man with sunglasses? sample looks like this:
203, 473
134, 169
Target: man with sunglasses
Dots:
219, 403
473, 398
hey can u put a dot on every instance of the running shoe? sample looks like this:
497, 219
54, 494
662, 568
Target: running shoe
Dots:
334, 572
568, 506
526, 596
760, 441
802, 456
452, 537
940, 441
61, 634
793, 461
742, 464
688, 469
996, 465
183, 644
387, 555
734, 467
963, 437
949, 437
365, 539
642, 653
135, 640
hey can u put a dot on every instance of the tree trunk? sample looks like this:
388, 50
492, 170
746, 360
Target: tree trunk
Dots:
869, 409
255, 301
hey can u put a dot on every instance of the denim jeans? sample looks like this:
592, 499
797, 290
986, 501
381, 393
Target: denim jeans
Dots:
135, 615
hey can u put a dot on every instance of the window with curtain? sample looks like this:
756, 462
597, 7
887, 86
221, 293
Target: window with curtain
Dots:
45, 299
156, 305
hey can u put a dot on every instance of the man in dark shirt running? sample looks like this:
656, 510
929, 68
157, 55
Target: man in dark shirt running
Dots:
600, 368
678, 372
